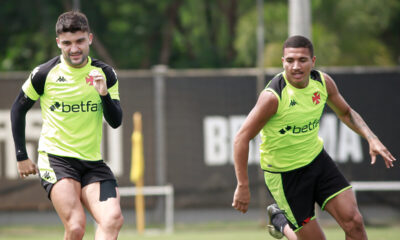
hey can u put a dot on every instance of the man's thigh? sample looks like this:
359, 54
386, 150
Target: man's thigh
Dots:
65, 196
102, 199
343, 206
311, 231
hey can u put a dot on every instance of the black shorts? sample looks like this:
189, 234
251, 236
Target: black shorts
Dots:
53, 168
297, 191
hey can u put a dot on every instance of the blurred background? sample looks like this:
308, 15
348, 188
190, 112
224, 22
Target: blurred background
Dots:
202, 34
194, 70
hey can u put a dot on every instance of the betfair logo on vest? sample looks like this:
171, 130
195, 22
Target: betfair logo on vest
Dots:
89, 106
300, 129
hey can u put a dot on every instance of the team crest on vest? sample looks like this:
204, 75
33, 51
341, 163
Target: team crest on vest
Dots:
316, 98
89, 80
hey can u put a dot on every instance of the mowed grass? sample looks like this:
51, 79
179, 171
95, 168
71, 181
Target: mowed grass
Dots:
205, 231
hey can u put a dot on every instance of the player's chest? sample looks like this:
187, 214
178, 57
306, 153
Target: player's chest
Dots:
302, 105
70, 86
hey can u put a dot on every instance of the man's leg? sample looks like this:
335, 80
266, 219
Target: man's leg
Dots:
344, 209
289, 234
311, 230
106, 212
65, 196
278, 224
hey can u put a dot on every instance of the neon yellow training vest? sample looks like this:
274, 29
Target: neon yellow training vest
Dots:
290, 138
71, 108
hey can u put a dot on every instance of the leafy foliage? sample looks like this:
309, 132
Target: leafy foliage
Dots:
201, 34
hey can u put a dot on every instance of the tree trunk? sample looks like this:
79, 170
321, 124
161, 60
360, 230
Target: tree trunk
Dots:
172, 12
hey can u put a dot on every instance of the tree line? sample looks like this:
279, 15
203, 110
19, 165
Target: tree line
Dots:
201, 33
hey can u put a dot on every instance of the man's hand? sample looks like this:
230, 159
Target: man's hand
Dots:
241, 198
99, 83
26, 167
377, 148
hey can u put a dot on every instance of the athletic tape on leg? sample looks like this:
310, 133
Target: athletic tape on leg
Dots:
279, 221
107, 190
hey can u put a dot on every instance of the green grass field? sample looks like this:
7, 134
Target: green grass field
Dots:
208, 231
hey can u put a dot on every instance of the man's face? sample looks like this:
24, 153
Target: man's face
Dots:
75, 47
298, 63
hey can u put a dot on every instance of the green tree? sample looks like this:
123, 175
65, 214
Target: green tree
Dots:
201, 34
350, 32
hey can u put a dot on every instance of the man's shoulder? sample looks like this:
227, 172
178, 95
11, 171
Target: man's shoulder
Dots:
39, 74
317, 76
98, 63
104, 66
109, 71
277, 84
45, 67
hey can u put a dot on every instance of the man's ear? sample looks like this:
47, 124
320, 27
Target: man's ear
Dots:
90, 38
58, 42
313, 60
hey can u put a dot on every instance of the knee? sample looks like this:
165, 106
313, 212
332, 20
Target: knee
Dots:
353, 223
75, 230
113, 221
119, 221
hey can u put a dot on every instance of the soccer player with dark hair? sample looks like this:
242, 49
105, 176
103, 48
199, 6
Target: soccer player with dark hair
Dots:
75, 93
298, 172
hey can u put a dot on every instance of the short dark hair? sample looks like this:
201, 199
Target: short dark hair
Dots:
298, 41
72, 21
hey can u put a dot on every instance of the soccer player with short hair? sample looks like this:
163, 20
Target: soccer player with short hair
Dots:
75, 92
298, 172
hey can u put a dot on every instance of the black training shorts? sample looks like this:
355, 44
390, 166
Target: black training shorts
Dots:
297, 191
53, 168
